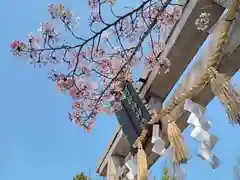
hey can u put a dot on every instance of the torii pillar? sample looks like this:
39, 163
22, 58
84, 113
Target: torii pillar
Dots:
113, 167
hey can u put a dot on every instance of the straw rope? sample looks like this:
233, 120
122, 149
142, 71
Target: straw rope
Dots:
142, 167
176, 140
213, 61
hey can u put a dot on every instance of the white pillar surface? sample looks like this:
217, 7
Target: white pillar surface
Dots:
113, 167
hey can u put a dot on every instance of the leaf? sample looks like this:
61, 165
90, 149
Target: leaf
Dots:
81, 176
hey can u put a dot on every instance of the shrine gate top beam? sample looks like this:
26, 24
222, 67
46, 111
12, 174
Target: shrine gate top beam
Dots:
181, 46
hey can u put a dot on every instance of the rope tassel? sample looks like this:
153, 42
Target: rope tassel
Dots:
227, 94
141, 162
179, 150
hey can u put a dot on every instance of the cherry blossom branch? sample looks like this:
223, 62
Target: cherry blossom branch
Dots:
98, 66
134, 51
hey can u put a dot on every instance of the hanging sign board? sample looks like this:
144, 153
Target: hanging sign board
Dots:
134, 115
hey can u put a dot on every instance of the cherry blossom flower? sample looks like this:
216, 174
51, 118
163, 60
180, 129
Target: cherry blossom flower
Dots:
58, 11
18, 47
105, 35
48, 32
172, 15
93, 70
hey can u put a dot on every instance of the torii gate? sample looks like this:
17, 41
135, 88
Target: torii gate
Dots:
180, 50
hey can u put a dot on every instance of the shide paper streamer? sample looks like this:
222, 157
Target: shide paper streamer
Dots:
132, 166
200, 132
159, 144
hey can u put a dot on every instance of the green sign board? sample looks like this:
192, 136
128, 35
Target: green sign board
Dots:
133, 115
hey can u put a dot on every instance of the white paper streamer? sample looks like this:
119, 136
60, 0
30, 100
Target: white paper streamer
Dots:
204, 137
159, 147
210, 141
155, 133
200, 132
194, 108
196, 117
158, 143
195, 121
205, 154
132, 166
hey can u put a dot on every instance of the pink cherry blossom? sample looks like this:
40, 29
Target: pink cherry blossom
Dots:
48, 32
18, 47
105, 35
93, 70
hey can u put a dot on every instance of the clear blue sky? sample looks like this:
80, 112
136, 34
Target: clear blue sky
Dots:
37, 140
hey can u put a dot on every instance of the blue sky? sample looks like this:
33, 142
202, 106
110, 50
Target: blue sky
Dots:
37, 139
39, 142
